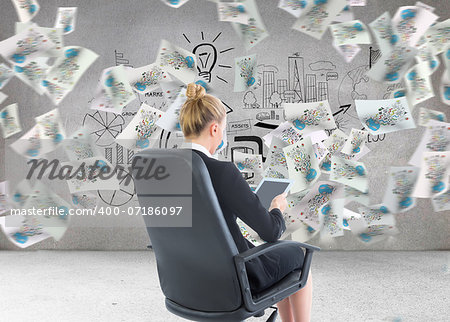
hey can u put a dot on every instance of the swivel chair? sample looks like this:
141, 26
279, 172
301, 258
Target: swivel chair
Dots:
200, 270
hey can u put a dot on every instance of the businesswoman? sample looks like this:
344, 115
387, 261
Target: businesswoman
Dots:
203, 121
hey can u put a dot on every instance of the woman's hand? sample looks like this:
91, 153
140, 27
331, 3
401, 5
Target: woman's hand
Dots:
279, 202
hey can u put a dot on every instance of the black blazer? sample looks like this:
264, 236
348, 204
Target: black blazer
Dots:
237, 200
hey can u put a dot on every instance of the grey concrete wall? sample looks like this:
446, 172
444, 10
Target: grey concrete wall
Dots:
129, 32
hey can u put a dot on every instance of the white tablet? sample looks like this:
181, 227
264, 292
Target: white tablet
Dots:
269, 188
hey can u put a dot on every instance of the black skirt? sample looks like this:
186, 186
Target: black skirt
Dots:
276, 264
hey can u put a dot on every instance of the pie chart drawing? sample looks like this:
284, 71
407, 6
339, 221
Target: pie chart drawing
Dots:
125, 194
104, 126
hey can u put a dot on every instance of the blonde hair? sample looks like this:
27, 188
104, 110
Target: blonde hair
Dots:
199, 110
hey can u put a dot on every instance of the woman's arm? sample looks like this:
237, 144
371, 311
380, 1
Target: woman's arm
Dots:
245, 204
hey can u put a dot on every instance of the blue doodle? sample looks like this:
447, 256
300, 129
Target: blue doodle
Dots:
202, 84
345, 223
251, 81
326, 166
383, 209
142, 143
433, 64
18, 69
319, 2
408, 14
394, 39
45, 83
220, 145
365, 237
310, 229
311, 175
32, 8
240, 166
325, 189
240, 8
18, 58
189, 61
372, 124
405, 203
326, 209
70, 53
391, 76
303, 4
360, 170
67, 28
109, 81
399, 93
299, 124
58, 138
440, 117
438, 186
358, 26
32, 152
17, 197
140, 87
4, 114
357, 149
412, 75
20, 238
447, 92
75, 200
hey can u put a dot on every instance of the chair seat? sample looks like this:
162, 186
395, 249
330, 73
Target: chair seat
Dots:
282, 284
238, 315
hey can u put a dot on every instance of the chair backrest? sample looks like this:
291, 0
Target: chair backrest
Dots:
195, 263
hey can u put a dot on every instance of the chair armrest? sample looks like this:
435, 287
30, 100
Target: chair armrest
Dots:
277, 295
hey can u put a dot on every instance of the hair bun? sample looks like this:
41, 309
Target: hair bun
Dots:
195, 91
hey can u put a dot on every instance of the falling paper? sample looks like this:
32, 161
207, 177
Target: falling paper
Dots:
355, 143
392, 65
146, 79
4, 198
401, 182
23, 47
33, 74
286, 132
438, 36
244, 72
54, 34
26, 9
385, 33
65, 19
307, 209
309, 117
85, 200
51, 131
80, 145
254, 31
352, 194
9, 120
91, 174
30, 144
348, 52
418, 84
331, 218
232, 12
425, 115
317, 15
68, 69
114, 91
275, 164
169, 121
433, 176
348, 172
350, 33
142, 132
435, 139
302, 164
5, 75
175, 3
411, 22
294, 7
247, 162
384, 116
177, 61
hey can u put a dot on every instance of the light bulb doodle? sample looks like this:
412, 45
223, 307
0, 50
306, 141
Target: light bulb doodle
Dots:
207, 58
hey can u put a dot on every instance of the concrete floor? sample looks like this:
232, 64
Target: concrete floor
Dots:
50, 285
